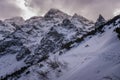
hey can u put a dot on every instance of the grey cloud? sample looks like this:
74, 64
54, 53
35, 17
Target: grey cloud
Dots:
88, 8
8, 9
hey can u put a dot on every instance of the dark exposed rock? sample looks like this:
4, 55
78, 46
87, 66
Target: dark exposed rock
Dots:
50, 42
14, 46
22, 53
100, 21
5, 44
117, 30
66, 22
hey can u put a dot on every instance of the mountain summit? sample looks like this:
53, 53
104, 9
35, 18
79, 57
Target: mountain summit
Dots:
55, 13
101, 20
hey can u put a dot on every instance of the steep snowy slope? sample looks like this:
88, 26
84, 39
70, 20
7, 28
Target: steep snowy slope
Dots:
97, 58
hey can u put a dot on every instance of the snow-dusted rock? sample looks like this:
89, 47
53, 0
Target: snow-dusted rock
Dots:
5, 29
15, 21
100, 21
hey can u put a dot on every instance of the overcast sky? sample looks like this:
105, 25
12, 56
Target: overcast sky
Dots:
87, 8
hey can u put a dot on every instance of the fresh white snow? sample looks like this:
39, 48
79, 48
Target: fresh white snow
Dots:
95, 59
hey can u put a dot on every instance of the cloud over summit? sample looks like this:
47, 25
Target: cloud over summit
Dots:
88, 8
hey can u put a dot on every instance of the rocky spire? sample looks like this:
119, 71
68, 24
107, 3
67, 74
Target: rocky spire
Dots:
100, 21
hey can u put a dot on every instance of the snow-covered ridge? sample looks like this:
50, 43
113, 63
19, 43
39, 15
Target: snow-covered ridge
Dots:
15, 20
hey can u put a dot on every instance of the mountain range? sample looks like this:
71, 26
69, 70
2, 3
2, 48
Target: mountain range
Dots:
58, 46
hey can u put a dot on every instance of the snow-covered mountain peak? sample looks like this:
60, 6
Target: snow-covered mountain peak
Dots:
55, 13
54, 10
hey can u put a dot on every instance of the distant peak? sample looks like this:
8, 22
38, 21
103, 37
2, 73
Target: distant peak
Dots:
101, 20
53, 12
76, 16
79, 17
101, 17
66, 22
